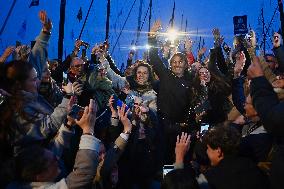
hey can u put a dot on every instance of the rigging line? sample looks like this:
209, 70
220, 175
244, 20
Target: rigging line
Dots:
85, 19
140, 29
123, 26
269, 25
8, 16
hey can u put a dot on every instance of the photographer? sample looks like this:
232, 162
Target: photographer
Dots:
141, 160
38, 167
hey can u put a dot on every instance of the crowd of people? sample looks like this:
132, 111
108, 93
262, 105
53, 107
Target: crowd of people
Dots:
83, 123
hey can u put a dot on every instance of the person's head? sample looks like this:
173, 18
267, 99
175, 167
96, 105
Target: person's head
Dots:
204, 74
271, 60
21, 75
143, 73
221, 141
46, 74
77, 66
178, 63
36, 164
102, 71
181, 179
53, 64
249, 109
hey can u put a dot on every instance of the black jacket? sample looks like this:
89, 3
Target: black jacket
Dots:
175, 94
279, 53
236, 173
271, 112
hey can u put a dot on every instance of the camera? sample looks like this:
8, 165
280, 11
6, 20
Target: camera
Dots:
85, 44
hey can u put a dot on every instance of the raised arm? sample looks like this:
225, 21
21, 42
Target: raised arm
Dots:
265, 100
155, 60
38, 56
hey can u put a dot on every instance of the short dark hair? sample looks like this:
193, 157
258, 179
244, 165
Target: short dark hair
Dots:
181, 179
181, 55
30, 162
224, 137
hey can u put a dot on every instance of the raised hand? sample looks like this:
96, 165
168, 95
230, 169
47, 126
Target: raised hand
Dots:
251, 39
46, 22
88, 120
218, 39
182, 146
188, 43
110, 104
255, 69
155, 28
240, 63
8, 51
201, 52
77, 88
122, 114
279, 83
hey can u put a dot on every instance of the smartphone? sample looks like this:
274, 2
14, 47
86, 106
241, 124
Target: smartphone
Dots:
204, 127
167, 169
65, 79
118, 103
76, 112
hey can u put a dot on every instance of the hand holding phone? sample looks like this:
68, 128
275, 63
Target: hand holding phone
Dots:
118, 103
76, 112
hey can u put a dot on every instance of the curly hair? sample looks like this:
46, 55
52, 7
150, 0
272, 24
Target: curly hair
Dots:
150, 70
224, 137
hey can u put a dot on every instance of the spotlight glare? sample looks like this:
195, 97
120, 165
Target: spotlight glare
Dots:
147, 47
172, 35
133, 48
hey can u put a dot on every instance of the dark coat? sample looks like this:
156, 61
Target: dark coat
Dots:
271, 112
175, 94
236, 173
279, 53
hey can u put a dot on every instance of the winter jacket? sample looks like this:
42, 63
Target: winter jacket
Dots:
83, 173
146, 93
236, 173
271, 112
279, 53
38, 56
175, 94
40, 121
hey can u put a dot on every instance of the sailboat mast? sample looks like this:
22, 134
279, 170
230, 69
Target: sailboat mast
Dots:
139, 21
107, 20
61, 29
150, 15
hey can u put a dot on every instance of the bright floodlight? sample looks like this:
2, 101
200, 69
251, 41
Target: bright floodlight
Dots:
147, 47
172, 35
133, 47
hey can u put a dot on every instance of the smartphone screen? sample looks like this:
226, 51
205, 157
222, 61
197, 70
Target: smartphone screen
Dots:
65, 79
204, 127
76, 112
167, 169
118, 103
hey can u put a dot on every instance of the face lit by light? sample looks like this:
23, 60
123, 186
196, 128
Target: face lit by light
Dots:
31, 84
142, 75
178, 65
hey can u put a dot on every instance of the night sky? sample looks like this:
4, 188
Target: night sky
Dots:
202, 15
